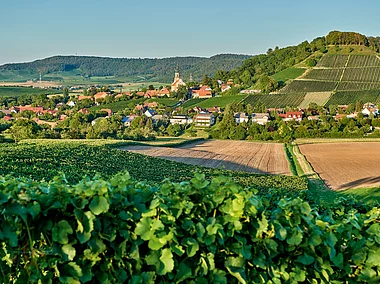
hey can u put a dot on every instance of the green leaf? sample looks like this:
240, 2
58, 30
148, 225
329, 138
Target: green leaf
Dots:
305, 259
374, 257
34, 208
167, 261
69, 250
156, 243
235, 266
281, 234
99, 205
184, 272
192, 247
146, 228
61, 231
367, 275
295, 239
338, 260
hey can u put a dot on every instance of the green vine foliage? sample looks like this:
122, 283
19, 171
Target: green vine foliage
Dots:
123, 231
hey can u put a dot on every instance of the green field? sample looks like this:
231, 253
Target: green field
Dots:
276, 100
46, 159
192, 103
21, 91
320, 98
288, 74
164, 101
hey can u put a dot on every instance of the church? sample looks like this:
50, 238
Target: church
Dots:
178, 82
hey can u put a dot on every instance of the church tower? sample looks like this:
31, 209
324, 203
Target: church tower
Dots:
177, 81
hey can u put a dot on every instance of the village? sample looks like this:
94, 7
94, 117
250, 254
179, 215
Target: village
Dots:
201, 118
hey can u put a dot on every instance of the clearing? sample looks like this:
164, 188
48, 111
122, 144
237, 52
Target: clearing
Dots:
263, 158
345, 165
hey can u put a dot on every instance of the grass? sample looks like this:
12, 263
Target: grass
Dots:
21, 91
221, 101
192, 103
288, 74
164, 101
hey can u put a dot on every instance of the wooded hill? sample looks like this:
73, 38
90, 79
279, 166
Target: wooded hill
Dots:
161, 70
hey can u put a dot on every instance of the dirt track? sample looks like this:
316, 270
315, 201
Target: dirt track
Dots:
345, 165
231, 155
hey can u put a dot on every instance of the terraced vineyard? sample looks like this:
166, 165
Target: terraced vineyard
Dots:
347, 97
333, 61
357, 86
349, 77
324, 74
363, 61
276, 100
362, 74
299, 86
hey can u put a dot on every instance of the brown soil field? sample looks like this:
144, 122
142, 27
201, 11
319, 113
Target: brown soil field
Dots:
263, 158
345, 165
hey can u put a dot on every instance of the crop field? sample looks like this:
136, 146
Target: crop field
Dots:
363, 61
299, 86
276, 100
324, 74
288, 74
21, 91
333, 61
364, 74
48, 158
263, 158
345, 165
357, 86
320, 98
349, 97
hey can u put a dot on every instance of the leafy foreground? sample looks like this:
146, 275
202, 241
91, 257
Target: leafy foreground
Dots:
120, 230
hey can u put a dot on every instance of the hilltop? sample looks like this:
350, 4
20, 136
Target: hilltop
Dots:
71, 68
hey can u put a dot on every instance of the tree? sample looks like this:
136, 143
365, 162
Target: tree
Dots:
266, 84
23, 129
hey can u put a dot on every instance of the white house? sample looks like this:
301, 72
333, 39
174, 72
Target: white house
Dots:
71, 104
241, 117
150, 113
180, 119
260, 118
372, 109
204, 119
128, 119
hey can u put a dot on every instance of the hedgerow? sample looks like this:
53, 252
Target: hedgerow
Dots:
123, 231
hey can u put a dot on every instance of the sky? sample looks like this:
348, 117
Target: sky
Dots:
31, 30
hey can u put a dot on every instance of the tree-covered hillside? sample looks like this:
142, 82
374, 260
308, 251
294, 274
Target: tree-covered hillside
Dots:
152, 68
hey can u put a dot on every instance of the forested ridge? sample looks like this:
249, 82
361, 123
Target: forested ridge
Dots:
154, 68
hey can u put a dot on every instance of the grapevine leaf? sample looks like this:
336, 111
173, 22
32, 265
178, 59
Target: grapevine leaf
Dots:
69, 250
61, 231
192, 247
305, 259
99, 205
295, 239
167, 261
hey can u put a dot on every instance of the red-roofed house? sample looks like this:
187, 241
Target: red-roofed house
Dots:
203, 93
291, 115
101, 95
84, 98
163, 92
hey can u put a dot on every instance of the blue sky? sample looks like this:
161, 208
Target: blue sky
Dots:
36, 29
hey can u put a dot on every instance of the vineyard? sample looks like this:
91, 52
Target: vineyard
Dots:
364, 74
306, 86
320, 98
77, 159
333, 61
363, 61
324, 74
347, 97
201, 231
352, 86
276, 100
356, 81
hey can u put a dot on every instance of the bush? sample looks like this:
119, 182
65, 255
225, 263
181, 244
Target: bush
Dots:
121, 230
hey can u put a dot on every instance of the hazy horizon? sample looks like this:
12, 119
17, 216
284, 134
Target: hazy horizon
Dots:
39, 29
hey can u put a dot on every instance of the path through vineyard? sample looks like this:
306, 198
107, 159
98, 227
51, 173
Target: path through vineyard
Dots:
244, 156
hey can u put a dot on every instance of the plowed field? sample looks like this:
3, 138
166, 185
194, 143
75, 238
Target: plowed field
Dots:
245, 156
345, 165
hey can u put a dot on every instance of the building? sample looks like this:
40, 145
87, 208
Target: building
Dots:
163, 92
180, 119
291, 115
96, 120
203, 93
150, 113
101, 96
225, 87
128, 119
214, 109
204, 119
241, 117
260, 118
84, 98
177, 83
